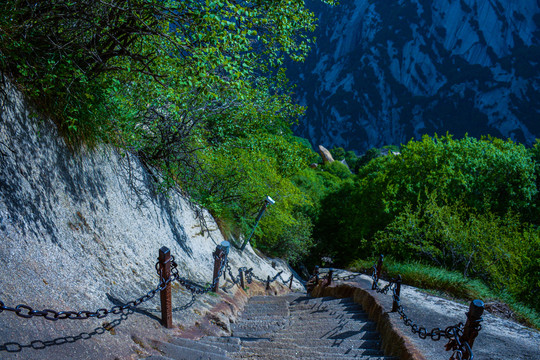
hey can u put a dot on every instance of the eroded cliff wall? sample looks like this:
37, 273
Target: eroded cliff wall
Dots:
81, 231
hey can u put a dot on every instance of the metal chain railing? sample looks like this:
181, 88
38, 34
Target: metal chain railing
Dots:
167, 270
193, 287
250, 275
25, 311
460, 336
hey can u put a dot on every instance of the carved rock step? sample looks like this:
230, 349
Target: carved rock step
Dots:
352, 331
345, 344
184, 349
317, 328
292, 327
229, 344
336, 316
295, 355
280, 346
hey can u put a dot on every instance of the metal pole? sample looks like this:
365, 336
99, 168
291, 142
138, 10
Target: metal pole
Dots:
242, 279
165, 294
261, 213
329, 277
316, 274
290, 282
378, 273
220, 255
268, 283
472, 326
379, 266
395, 304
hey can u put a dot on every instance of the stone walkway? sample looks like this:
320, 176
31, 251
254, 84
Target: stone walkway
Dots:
287, 327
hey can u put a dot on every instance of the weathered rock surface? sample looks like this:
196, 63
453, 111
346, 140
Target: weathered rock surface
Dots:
81, 230
325, 154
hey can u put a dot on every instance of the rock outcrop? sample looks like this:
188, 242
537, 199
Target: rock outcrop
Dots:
325, 154
383, 72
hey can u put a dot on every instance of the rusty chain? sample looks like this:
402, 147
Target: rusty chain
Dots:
194, 287
14, 347
461, 350
285, 282
250, 275
28, 312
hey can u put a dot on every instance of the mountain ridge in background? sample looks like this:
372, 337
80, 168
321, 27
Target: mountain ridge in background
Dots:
385, 72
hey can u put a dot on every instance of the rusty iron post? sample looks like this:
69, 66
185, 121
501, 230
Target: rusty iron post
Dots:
395, 304
472, 326
165, 294
268, 283
220, 255
379, 266
290, 282
378, 272
242, 278
329, 277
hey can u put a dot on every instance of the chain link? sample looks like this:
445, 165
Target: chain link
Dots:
27, 312
461, 351
346, 277
285, 282
14, 347
195, 288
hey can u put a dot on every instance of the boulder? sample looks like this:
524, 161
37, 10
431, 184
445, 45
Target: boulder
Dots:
325, 154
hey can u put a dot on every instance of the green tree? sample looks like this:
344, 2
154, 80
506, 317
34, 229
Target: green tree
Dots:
196, 89
485, 175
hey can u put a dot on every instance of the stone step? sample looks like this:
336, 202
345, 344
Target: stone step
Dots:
333, 335
198, 345
302, 341
257, 346
296, 354
328, 309
337, 317
294, 327
177, 352
322, 300
323, 327
266, 310
229, 344
321, 308
263, 322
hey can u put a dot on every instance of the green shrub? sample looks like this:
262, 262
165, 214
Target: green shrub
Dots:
495, 249
338, 169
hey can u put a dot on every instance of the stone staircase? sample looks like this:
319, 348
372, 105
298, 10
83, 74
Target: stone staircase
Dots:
286, 327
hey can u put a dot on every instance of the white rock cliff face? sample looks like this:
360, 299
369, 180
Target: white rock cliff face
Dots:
82, 231
385, 72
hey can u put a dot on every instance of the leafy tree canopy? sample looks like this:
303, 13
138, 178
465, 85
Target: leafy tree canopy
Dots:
195, 88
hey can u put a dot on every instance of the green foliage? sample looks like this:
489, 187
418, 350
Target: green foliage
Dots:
196, 89
366, 158
428, 277
463, 205
338, 169
485, 175
340, 154
486, 246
